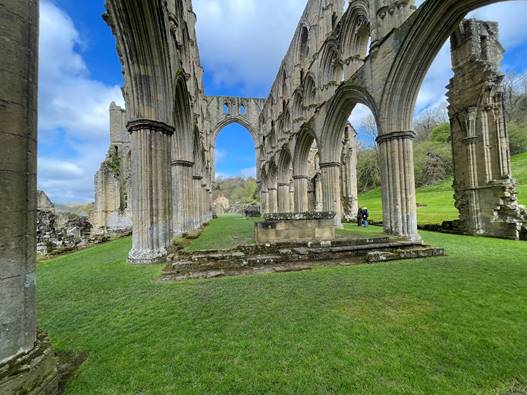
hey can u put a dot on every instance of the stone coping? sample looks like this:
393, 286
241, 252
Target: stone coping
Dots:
273, 217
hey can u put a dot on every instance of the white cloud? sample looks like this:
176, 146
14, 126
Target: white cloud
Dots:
73, 110
509, 15
220, 155
242, 42
249, 172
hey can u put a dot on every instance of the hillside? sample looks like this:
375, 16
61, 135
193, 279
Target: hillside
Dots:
436, 203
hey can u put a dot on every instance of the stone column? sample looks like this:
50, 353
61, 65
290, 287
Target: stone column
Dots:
204, 195
331, 190
181, 177
273, 202
318, 193
151, 185
398, 184
301, 193
485, 192
350, 203
264, 197
292, 196
27, 363
209, 203
196, 201
283, 197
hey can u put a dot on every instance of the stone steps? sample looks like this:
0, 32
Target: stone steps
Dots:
279, 258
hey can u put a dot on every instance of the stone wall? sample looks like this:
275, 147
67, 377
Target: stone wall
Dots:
485, 192
112, 209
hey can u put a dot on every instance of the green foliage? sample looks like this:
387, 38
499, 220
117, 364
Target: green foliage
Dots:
114, 162
454, 324
433, 162
368, 173
441, 133
237, 190
518, 137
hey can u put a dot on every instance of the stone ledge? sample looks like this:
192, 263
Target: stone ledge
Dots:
307, 216
272, 258
31, 373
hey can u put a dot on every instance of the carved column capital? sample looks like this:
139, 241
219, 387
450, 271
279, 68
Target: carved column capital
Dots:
301, 178
329, 164
158, 126
406, 134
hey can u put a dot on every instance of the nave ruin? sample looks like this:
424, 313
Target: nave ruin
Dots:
160, 167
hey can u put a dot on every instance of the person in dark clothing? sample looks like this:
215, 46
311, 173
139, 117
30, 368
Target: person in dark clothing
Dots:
359, 217
365, 217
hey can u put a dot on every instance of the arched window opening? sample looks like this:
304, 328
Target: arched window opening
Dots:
304, 44
285, 89
243, 110
363, 40
226, 108
309, 91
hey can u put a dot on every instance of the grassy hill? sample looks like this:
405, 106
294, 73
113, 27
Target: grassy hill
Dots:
449, 325
436, 203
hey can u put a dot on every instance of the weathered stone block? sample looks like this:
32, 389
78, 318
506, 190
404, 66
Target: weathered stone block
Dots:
295, 227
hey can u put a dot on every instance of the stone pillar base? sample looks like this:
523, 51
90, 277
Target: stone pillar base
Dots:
147, 257
31, 373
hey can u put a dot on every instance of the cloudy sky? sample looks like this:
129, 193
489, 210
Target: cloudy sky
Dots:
241, 43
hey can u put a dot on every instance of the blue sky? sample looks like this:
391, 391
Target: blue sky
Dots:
80, 75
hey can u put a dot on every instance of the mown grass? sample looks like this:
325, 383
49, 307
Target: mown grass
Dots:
225, 232
450, 325
436, 202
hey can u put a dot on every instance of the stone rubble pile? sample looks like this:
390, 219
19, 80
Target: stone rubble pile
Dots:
58, 233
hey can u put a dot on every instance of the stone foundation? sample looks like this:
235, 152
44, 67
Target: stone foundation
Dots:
31, 373
288, 257
295, 227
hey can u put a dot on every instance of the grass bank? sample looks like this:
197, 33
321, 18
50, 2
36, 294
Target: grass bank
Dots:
436, 203
450, 325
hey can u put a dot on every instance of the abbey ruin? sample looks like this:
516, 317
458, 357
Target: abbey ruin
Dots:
158, 175
372, 53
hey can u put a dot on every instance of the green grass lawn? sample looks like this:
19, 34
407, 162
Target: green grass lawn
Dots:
449, 325
225, 232
436, 203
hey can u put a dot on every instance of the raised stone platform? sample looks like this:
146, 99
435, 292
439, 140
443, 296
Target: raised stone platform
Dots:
287, 257
295, 227
31, 373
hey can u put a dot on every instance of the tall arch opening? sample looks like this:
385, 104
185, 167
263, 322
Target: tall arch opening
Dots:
235, 175
471, 133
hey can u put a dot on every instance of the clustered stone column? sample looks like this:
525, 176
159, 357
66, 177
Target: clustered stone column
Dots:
485, 193
284, 205
151, 180
350, 202
181, 186
264, 196
331, 190
272, 199
398, 184
301, 193
27, 363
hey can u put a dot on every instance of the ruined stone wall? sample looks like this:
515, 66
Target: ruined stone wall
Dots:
112, 209
485, 192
